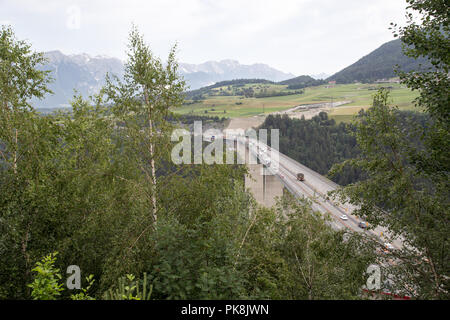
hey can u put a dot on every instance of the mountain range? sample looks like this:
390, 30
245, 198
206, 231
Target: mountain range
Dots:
208, 73
81, 72
87, 74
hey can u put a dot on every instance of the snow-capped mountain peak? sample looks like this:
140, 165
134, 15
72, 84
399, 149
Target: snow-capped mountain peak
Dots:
86, 74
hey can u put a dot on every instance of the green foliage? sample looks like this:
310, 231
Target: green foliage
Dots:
302, 82
83, 295
292, 253
253, 88
401, 197
128, 289
20, 79
190, 118
429, 38
190, 252
45, 285
322, 265
199, 93
141, 103
278, 93
22, 177
66, 190
97, 184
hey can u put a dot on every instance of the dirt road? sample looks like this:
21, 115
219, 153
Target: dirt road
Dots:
308, 111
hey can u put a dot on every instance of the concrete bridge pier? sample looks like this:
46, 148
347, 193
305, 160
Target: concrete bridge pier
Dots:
264, 187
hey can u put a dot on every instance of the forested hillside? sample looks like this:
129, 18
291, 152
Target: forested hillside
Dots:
197, 94
379, 64
246, 87
302, 82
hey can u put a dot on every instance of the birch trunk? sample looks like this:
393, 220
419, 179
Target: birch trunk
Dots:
152, 157
15, 152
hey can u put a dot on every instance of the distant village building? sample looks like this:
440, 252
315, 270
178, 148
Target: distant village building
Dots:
331, 84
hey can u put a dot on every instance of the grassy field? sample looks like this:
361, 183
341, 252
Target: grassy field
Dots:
360, 96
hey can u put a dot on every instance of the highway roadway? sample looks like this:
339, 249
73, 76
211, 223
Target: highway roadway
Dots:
315, 188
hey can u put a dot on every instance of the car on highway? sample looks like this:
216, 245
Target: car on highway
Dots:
344, 217
362, 225
265, 160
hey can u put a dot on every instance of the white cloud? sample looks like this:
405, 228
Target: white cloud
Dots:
299, 36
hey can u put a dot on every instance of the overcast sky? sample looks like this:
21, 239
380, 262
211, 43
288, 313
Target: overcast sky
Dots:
297, 36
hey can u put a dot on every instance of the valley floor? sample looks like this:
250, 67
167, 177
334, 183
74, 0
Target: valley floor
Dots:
359, 96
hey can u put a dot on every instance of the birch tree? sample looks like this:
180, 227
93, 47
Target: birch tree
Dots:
141, 103
20, 81
407, 189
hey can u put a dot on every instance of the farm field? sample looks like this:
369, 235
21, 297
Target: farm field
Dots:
360, 96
